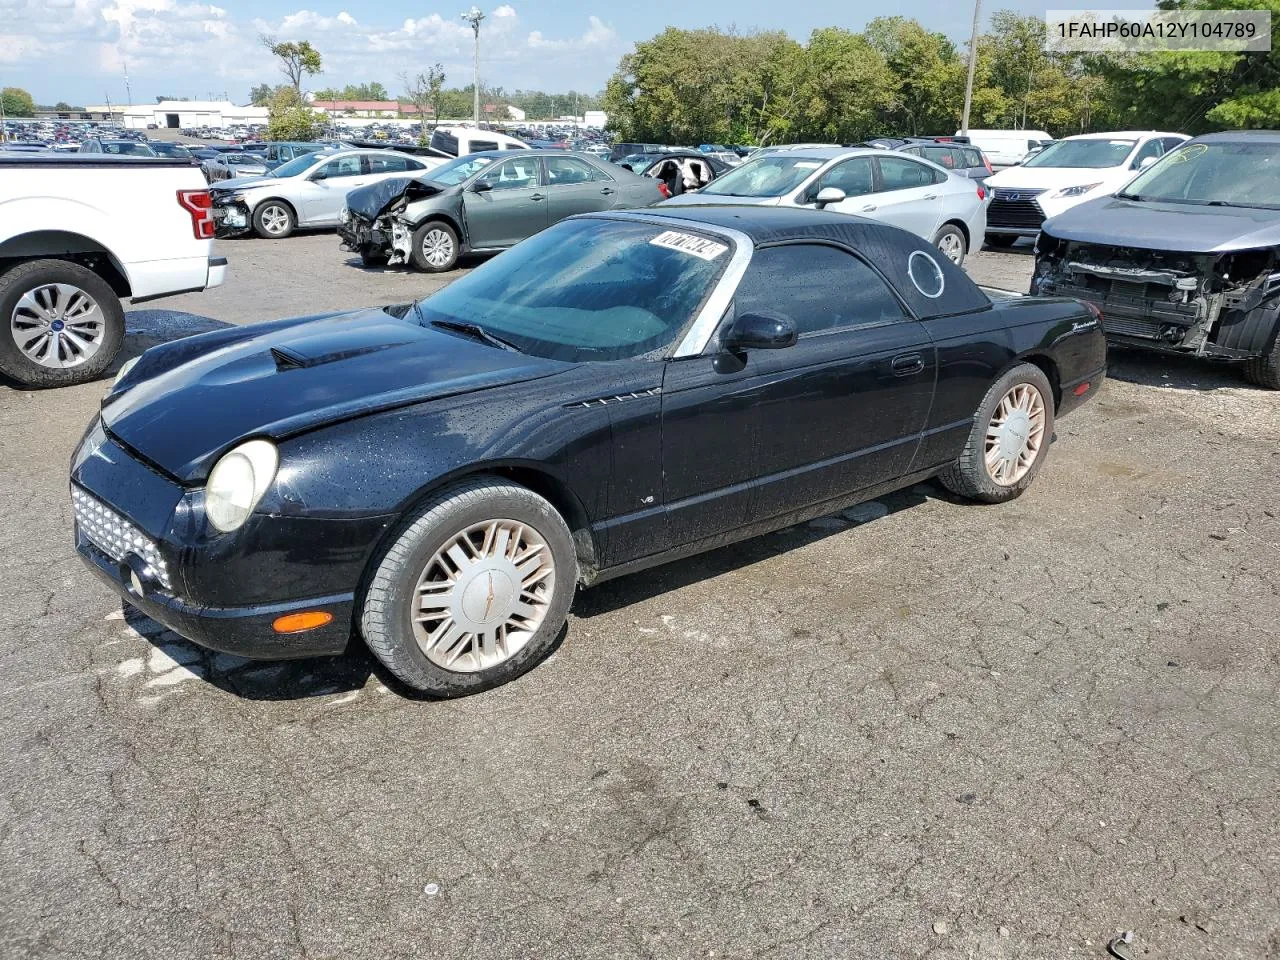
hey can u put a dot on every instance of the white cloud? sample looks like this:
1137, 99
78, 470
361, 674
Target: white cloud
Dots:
181, 47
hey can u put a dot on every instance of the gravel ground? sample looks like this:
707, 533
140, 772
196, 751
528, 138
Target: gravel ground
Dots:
926, 727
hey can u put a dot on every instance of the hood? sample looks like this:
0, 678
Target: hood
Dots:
372, 201
242, 183
288, 379
688, 199
1181, 227
1055, 178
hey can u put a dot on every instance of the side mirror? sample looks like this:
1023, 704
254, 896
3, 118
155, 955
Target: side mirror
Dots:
1146, 162
320, 175
481, 186
828, 195
761, 331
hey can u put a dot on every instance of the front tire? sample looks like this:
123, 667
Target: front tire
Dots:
473, 590
435, 247
373, 258
1264, 371
1009, 439
274, 220
62, 324
950, 240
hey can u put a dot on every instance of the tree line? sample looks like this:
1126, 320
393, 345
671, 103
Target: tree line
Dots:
898, 78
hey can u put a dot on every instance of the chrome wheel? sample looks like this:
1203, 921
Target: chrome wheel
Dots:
483, 595
437, 247
952, 247
1015, 434
57, 325
275, 219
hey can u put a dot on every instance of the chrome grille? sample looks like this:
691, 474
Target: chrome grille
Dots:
115, 536
1013, 207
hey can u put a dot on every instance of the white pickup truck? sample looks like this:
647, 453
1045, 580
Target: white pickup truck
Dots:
79, 232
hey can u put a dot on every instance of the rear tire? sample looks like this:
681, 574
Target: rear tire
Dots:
950, 240
972, 475
1000, 240
434, 247
60, 324
450, 616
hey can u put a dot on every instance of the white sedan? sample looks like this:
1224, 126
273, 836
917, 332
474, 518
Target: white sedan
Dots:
911, 193
308, 191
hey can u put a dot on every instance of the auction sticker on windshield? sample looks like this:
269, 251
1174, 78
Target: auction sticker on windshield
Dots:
689, 243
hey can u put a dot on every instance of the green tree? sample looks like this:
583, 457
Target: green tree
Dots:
929, 76
297, 58
17, 102
62, 106
289, 117
260, 96
848, 81
423, 90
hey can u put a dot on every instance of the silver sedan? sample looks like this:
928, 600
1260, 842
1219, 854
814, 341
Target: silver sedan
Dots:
919, 196
308, 191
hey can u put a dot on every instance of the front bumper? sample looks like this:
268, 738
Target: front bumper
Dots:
231, 218
361, 236
144, 535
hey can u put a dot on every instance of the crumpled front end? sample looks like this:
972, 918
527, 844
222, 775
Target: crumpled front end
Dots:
1194, 303
371, 224
231, 215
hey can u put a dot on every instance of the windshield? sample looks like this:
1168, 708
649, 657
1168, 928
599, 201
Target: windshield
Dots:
1239, 173
767, 176
298, 165
587, 290
126, 148
170, 150
1094, 154
638, 162
455, 171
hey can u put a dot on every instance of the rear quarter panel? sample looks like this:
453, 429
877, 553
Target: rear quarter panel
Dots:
132, 212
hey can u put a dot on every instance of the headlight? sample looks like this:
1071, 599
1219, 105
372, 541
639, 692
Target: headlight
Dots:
1076, 191
344, 215
238, 482
124, 371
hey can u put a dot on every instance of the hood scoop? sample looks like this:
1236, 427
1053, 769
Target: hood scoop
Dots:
317, 350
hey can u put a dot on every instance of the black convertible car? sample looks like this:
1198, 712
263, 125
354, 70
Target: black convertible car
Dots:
621, 390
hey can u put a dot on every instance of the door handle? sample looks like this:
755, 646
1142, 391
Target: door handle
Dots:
931, 196
869, 206
607, 191
537, 196
906, 364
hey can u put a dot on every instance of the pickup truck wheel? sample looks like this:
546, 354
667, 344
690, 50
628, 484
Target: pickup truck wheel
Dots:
1000, 240
273, 220
434, 247
62, 323
473, 590
1265, 370
1009, 439
950, 240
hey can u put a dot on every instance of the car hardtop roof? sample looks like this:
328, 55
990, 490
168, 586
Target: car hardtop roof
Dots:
1226, 136
1123, 135
763, 224
821, 153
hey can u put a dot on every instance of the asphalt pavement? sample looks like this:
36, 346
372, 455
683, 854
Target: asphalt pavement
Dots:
924, 727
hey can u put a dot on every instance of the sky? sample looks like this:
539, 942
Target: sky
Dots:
77, 50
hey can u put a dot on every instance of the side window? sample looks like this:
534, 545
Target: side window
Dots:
342, 167
973, 158
898, 173
514, 174
825, 289
566, 170
479, 146
1151, 148
1171, 143
912, 151
854, 177
942, 156
386, 164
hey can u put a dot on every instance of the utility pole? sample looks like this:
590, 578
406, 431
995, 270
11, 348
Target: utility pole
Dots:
127, 92
111, 114
473, 17
973, 63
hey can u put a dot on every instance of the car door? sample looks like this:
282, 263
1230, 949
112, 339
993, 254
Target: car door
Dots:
324, 190
575, 186
513, 206
752, 436
906, 196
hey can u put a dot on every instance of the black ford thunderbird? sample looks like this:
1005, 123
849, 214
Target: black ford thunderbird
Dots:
621, 390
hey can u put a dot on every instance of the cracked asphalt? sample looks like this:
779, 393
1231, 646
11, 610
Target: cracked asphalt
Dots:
925, 728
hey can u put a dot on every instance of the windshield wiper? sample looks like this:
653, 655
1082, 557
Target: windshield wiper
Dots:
474, 330
1128, 196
